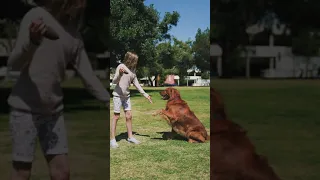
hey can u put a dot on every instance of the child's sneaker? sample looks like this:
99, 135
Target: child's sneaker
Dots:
113, 143
133, 140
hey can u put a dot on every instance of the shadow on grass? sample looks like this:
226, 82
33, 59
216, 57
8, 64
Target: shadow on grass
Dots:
167, 135
124, 135
75, 99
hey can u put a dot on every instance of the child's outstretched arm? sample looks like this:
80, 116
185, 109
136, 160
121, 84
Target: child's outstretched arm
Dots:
83, 67
137, 85
24, 48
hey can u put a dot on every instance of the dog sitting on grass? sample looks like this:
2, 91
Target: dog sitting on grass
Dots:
182, 120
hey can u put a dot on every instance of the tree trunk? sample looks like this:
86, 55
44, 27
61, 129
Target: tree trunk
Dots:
150, 81
157, 80
226, 68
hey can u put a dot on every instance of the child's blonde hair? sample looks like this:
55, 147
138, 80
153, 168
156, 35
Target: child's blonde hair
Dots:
131, 60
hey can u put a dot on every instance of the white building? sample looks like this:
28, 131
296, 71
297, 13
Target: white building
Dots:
283, 63
193, 79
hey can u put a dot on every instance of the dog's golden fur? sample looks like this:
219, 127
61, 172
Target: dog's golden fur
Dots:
179, 116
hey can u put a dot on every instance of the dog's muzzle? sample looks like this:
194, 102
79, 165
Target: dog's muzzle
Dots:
165, 97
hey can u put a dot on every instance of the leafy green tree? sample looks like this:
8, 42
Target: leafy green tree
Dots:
306, 44
172, 57
137, 27
10, 21
229, 20
298, 14
183, 57
201, 50
8, 33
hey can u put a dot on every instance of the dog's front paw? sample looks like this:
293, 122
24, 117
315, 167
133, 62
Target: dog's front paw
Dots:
157, 113
192, 141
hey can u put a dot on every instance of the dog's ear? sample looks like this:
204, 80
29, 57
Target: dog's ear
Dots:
176, 93
170, 92
173, 93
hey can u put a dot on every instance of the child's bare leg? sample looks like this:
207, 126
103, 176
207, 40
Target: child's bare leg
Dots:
115, 119
21, 171
131, 139
129, 123
58, 166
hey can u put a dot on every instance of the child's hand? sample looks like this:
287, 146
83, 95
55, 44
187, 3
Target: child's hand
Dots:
122, 70
150, 100
37, 30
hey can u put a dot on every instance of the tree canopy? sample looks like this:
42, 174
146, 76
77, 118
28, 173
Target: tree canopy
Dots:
200, 49
230, 18
130, 25
137, 27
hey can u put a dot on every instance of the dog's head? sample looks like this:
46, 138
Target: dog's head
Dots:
170, 93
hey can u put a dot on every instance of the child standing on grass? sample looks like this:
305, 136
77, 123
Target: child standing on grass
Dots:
124, 76
36, 99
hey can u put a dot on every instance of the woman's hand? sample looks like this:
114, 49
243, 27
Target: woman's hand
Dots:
150, 100
36, 31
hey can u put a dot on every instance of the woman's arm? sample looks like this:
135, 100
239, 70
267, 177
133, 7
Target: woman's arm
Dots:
137, 85
24, 49
91, 82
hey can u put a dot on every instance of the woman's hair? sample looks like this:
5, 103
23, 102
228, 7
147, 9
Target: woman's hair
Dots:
64, 9
131, 60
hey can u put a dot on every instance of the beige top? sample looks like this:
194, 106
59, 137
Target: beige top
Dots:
43, 67
123, 82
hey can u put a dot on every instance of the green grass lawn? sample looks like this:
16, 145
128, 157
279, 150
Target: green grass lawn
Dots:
282, 119
156, 158
87, 123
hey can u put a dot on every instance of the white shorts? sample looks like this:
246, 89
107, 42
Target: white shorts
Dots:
26, 128
121, 101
